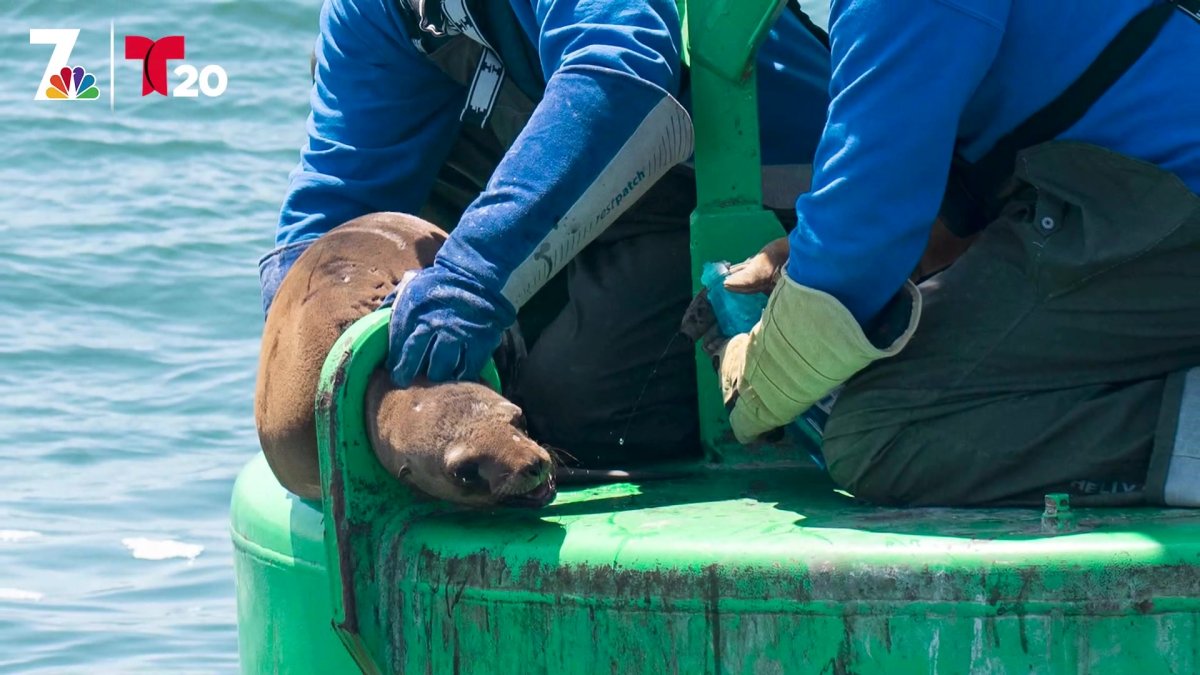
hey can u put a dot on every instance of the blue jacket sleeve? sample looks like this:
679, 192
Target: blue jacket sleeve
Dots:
903, 72
634, 37
608, 63
383, 120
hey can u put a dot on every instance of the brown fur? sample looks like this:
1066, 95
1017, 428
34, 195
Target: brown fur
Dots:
342, 277
458, 441
338, 280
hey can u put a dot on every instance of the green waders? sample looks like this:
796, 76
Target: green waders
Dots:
1053, 356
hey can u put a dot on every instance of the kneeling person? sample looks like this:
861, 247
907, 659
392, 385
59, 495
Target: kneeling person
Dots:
1061, 352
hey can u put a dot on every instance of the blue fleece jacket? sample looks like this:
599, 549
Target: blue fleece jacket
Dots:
913, 77
384, 118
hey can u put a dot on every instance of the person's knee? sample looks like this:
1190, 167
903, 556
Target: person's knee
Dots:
876, 449
860, 464
907, 463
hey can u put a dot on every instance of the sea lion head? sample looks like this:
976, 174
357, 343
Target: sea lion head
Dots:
458, 441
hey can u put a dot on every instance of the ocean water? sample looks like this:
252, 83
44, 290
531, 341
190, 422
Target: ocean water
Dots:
129, 325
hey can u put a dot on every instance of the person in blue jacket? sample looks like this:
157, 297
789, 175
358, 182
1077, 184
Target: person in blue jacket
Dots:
1061, 352
547, 135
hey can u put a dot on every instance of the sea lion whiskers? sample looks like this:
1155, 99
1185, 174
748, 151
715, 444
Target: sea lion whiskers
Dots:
563, 460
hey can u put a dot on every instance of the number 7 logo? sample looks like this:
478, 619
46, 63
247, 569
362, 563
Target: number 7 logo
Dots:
63, 40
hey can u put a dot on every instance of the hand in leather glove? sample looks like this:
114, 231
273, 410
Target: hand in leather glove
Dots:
450, 325
806, 344
760, 272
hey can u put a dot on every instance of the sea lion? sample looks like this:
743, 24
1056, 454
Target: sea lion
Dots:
459, 441
463, 442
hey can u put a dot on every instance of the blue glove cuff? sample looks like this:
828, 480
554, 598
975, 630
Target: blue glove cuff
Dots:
274, 266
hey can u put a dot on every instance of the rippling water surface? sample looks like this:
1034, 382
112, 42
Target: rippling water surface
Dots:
129, 321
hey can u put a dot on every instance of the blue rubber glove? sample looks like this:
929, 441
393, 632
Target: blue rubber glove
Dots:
595, 144
452, 324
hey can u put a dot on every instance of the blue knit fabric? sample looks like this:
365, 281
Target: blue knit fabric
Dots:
384, 118
913, 77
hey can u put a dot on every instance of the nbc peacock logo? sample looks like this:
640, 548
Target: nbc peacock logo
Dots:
61, 81
71, 84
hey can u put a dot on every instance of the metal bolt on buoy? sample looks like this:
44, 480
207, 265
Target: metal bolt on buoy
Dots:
1057, 516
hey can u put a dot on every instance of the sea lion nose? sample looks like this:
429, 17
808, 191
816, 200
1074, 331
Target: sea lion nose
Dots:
538, 468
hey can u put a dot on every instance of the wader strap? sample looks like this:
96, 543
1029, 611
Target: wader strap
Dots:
1190, 7
489, 73
485, 87
439, 21
522, 66
975, 191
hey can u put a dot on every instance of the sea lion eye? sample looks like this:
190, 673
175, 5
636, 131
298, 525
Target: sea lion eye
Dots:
467, 473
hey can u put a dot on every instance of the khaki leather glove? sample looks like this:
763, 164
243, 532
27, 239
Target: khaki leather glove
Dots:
760, 272
806, 344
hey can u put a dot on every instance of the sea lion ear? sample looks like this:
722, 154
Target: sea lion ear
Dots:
518, 419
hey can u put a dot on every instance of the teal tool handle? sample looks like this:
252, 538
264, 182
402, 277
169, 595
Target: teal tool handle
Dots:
736, 314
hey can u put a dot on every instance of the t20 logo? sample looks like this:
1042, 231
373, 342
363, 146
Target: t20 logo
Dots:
154, 55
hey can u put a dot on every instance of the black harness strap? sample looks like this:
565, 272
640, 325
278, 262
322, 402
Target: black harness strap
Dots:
500, 27
975, 190
1190, 7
